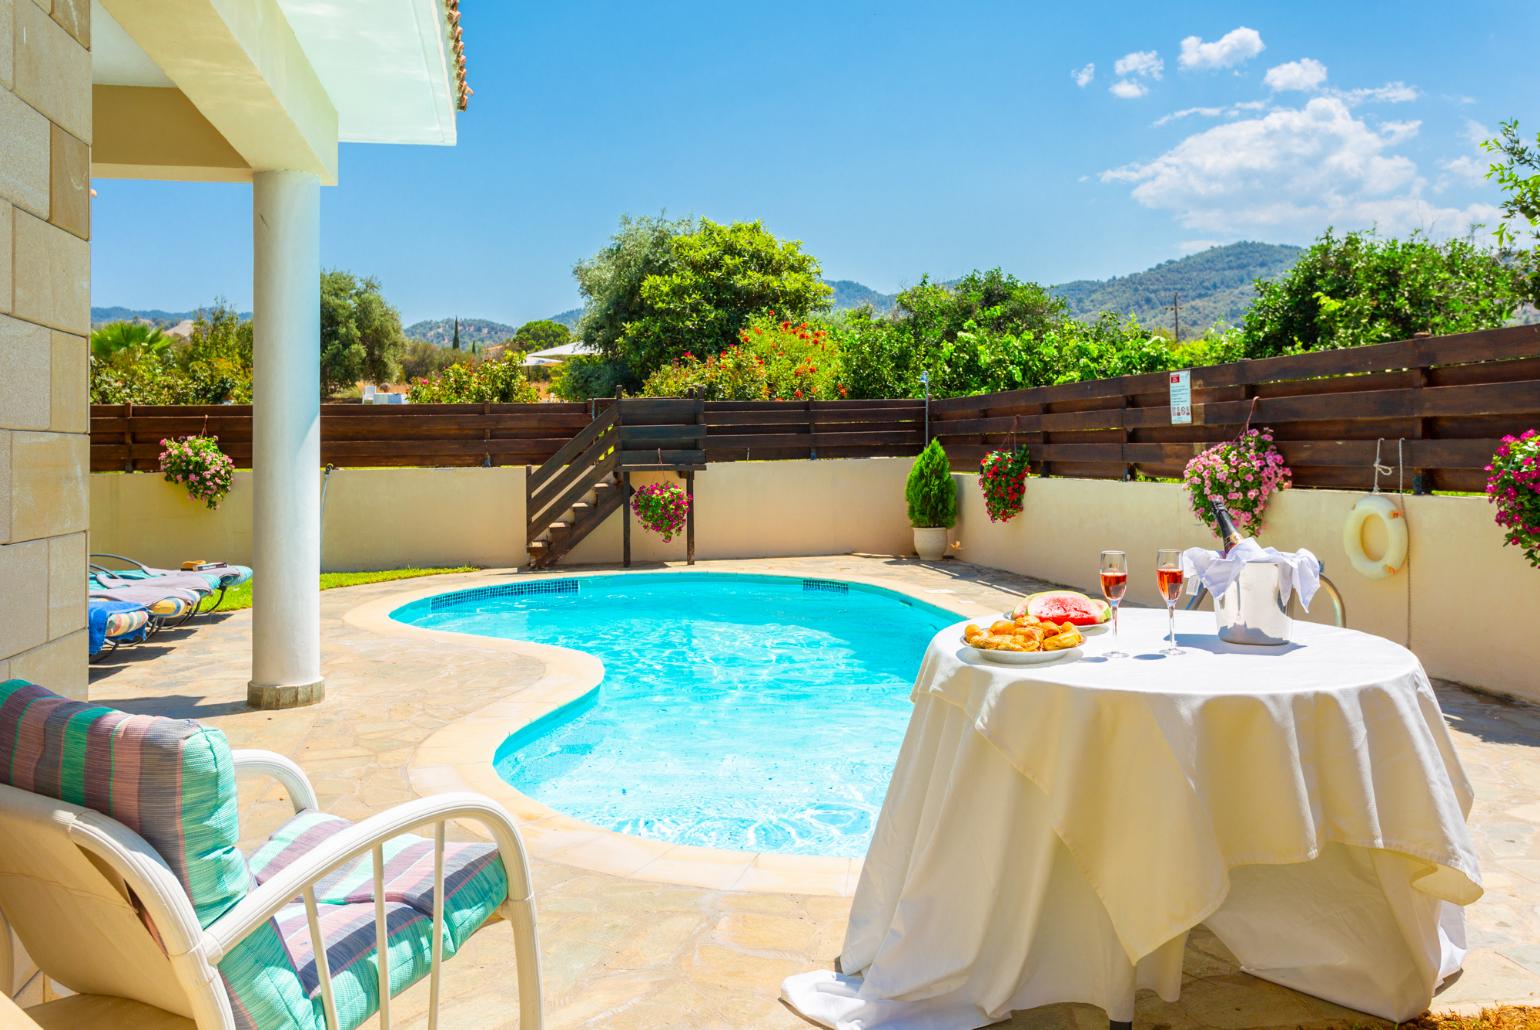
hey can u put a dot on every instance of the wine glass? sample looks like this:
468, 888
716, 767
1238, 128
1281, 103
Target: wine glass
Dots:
1114, 573
1168, 578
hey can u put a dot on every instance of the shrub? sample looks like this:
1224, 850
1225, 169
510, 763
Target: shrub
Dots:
499, 381
1003, 480
773, 360
1360, 289
1514, 486
930, 492
1244, 473
663, 508
197, 463
583, 376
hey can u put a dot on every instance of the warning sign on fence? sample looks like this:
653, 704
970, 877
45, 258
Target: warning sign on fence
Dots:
1181, 398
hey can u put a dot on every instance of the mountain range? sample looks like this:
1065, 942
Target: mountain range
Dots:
1212, 286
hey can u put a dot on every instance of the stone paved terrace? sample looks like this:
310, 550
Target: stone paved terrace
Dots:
623, 952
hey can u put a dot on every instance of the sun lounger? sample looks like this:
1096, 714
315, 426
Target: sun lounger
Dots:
112, 623
171, 605
218, 576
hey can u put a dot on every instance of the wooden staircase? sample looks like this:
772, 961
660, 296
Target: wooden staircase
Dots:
572, 494
584, 482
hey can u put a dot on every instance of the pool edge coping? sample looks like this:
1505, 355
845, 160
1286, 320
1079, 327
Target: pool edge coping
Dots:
438, 764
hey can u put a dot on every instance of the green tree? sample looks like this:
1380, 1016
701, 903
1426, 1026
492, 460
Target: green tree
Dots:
1517, 171
361, 335
611, 280
661, 288
583, 376
541, 334
215, 362
116, 337
1359, 289
420, 359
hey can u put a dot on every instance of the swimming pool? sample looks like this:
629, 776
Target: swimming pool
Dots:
745, 712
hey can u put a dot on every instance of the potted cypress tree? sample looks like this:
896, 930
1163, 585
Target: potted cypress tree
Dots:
932, 498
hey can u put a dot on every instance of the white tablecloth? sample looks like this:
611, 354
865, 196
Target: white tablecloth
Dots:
1053, 832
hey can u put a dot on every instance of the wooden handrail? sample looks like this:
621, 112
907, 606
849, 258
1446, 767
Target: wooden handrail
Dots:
569, 452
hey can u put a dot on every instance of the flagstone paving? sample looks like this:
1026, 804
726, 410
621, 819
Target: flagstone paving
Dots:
621, 953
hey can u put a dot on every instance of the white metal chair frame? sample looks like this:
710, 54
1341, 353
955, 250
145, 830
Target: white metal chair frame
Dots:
195, 951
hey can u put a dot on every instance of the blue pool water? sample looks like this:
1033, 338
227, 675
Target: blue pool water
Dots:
753, 713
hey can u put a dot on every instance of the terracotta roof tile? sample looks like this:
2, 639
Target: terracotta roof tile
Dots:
457, 34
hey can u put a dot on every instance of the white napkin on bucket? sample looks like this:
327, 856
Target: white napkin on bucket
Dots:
1297, 570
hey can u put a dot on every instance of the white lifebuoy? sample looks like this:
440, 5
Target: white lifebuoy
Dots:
1376, 506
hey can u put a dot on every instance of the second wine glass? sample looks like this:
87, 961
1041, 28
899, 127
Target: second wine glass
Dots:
1168, 578
1114, 577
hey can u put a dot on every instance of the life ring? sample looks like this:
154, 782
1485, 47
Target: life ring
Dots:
1376, 506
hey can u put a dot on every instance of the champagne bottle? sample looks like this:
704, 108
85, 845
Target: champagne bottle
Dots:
1226, 525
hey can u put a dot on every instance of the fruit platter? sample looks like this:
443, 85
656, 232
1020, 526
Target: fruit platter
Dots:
1024, 640
1087, 614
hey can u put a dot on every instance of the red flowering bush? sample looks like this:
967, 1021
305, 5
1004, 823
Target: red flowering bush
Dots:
1513, 484
1003, 480
197, 463
661, 507
1244, 473
773, 360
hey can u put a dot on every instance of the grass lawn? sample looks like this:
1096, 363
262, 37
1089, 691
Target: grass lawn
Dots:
239, 597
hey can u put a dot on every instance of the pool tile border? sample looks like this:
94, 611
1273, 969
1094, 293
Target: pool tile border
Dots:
457, 756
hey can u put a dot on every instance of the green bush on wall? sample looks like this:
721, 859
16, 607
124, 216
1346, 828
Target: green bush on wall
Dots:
930, 492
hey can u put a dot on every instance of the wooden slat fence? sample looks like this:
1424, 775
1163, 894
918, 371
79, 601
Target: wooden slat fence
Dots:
1448, 398
127, 437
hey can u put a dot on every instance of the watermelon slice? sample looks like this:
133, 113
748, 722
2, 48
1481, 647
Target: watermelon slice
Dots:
1065, 606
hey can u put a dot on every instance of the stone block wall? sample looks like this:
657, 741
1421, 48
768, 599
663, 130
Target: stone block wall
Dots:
45, 318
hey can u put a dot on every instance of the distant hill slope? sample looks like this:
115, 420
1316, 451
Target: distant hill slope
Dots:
472, 330
153, 316
1215, 285
850, 294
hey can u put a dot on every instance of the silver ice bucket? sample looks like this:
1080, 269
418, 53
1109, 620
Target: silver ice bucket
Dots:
1252, 610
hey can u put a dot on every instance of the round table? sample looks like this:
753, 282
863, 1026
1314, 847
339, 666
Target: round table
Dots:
1052, 832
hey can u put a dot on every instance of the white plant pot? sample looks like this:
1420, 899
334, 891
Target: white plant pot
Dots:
930, 542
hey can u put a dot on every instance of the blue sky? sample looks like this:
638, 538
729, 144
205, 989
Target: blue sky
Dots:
892, 138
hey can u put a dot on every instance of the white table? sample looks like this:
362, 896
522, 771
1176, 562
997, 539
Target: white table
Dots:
1052, 832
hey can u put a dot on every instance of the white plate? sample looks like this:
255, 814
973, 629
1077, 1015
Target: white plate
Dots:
1024, 657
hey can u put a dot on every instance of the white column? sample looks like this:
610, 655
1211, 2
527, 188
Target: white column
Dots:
286, 440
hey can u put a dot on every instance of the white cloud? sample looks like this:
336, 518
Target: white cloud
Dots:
1084, 75
1396, 132
1390, 93
1475, 133
1468, 170
1234, 47
1293, 171
1250, 105
1304, 75
1189, 112
1127, 89
1141, 62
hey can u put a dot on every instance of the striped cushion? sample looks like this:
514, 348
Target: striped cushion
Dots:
268, 977
122, 623
170, 780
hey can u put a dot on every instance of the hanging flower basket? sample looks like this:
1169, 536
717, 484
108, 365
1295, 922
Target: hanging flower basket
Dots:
1003, 481
197, 463
1244, 473
661, 507
1513, 484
